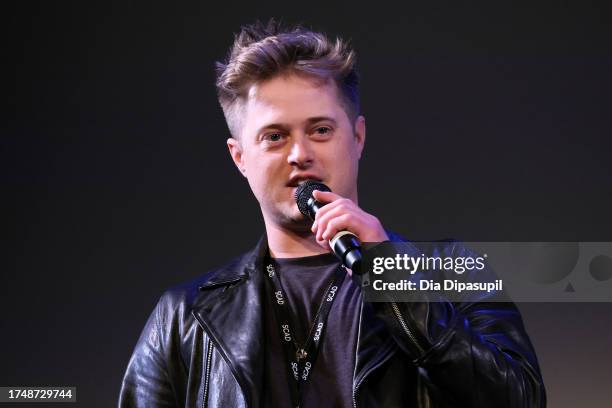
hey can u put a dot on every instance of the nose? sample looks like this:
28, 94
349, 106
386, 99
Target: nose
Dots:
301, 154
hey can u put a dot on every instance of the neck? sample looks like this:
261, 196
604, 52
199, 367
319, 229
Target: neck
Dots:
286, 243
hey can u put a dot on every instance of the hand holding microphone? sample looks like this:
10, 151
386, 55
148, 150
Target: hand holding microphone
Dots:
339, 223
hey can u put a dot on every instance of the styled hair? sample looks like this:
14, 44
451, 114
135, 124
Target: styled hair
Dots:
261, 52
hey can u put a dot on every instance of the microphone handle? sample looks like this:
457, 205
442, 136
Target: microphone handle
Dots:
345, 244
347, 247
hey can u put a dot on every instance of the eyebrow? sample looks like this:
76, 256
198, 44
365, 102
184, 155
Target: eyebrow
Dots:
308, 121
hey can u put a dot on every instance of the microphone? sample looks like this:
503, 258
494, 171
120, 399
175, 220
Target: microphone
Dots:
345, 244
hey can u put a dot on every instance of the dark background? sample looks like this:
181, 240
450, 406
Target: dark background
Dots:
485, 122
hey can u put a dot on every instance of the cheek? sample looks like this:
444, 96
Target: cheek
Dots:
264, 173
341, 167
338, 159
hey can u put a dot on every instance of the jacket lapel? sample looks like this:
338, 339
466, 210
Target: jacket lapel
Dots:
374, 344
229, 308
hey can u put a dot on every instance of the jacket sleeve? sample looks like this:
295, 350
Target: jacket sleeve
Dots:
146, 381
470, 354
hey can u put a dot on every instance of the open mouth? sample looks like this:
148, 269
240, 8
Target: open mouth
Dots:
296, 181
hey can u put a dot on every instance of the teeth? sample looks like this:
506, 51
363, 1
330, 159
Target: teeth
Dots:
302, 181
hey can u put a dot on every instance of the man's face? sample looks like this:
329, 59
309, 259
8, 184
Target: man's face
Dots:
295, 128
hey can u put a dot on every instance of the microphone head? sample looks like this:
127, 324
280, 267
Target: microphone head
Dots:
304, 192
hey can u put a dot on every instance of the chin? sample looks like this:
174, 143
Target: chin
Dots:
294, 220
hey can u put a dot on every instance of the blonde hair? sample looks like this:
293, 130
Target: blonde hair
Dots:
261, 52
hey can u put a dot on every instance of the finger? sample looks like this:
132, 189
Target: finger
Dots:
344, 203
341, 223
324, 244
365, 226
325, 196
333, 212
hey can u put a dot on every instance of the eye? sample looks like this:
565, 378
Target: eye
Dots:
322, 133
273, 137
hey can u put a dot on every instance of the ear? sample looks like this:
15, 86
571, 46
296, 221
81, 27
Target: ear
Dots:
235, 150
360, 133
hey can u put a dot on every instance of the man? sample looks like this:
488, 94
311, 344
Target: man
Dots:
284, 325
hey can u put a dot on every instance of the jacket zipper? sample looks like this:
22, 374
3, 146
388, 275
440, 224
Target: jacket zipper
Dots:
406, 328
229, 363
209, 350
358, 385
356, 389
410, 335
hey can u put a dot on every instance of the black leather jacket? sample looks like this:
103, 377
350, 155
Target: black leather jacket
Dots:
203, 347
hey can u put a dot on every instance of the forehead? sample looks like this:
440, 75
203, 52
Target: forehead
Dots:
291, 99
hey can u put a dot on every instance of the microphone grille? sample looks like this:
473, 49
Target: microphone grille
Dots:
304, 192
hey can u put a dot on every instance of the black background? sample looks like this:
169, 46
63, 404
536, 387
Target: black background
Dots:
485, 122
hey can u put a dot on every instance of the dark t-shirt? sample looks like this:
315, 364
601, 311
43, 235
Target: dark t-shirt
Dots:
305, 281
